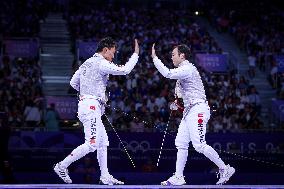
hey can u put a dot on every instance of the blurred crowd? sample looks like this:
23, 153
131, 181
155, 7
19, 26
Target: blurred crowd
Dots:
20, 78
144, 93
21, 91
21, 94
258, 29
21, 18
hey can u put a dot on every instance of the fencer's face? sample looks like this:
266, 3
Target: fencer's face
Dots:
177, 58
108, 53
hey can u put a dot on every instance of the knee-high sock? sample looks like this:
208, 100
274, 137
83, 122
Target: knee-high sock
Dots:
102, 159
76, 154
211, 154
181, 161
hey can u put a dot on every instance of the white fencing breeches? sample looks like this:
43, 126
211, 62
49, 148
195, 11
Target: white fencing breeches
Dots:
193, 129
89, 113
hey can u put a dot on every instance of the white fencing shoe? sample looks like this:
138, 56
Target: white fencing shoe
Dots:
174, 180
62, 173
225, 174
110, 180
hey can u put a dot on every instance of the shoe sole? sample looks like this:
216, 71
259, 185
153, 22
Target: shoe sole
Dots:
101, 183
167, 183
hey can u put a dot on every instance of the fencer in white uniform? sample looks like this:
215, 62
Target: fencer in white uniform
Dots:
196, 114
90, 80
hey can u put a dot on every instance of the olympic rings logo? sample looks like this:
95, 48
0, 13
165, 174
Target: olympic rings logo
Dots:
135, 146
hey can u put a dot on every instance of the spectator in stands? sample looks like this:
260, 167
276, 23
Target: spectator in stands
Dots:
151, 103
273, 75
161, 101
217, 124
52, 118
136, 125
243, 83
32, 115
252, 65
254, 99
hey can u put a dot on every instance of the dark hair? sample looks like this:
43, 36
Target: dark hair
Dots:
182, 48
107, 42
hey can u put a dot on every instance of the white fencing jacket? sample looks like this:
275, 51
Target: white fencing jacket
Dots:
92, 76
189, 85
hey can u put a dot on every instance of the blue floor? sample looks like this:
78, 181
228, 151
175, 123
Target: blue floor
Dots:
139, 186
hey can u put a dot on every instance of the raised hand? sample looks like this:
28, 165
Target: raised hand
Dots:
153, 51
136, 48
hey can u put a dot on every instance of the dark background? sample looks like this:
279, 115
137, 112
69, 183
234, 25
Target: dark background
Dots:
40, 50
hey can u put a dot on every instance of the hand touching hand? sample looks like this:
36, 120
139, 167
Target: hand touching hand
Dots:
153, 51
136, 48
